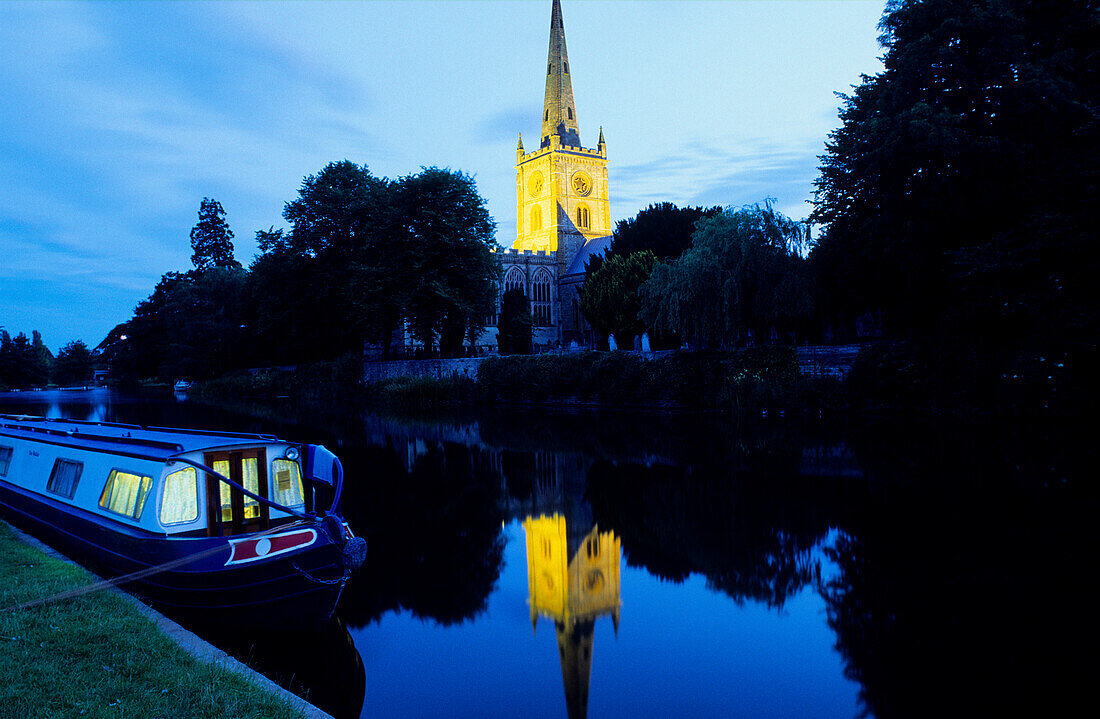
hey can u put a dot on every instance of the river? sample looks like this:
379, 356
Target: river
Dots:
622, 565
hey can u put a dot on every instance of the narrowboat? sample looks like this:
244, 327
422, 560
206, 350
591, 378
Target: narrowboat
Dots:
228, 528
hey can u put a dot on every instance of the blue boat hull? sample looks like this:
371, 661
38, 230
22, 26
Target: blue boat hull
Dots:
298, 589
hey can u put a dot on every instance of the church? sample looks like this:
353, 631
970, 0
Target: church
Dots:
563, 215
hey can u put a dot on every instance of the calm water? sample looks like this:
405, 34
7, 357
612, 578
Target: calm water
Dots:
612, 565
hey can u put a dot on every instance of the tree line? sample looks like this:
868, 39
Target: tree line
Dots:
954, 203
29, 363
365, 259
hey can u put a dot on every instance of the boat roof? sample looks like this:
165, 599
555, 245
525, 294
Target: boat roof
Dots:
128, 439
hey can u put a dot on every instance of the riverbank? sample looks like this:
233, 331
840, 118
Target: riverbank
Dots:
747, 381
926, 378
97, 655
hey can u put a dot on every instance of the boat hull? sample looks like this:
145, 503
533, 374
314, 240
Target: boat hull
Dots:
204, 579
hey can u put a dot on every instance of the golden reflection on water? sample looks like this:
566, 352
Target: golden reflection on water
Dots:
573, 579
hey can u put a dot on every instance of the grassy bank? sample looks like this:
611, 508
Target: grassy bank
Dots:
97, 656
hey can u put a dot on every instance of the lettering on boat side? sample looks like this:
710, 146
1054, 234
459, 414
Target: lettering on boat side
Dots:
251, 550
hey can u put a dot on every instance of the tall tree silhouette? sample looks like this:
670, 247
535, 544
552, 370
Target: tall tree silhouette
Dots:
211, 238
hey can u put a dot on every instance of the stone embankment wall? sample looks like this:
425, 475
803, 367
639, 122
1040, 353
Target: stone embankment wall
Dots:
827, 360
437, 368
824, 360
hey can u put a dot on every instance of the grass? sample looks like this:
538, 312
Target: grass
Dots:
97, 656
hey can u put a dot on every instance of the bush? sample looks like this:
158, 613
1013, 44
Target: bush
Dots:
745, 380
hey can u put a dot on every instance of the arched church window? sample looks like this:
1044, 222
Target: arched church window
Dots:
570, 111
536, 218
540, 299
582, 217
549, 68
514, 280
566, 66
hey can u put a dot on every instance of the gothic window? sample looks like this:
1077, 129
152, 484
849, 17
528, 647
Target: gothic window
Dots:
570, 111
540, 299
546, 115
582, 217
514, 280
549, 68
566, 67
536, 218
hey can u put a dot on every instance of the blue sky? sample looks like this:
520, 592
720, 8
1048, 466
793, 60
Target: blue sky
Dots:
118, 118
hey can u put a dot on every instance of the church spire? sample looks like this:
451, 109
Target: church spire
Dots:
559, 114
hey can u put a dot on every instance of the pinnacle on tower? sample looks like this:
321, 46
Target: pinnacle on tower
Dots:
559, 114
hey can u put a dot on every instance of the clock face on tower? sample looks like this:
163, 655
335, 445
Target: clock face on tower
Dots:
534, 185
582, 183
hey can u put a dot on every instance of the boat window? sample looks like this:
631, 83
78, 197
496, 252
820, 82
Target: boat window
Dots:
288, 483
125, 493
180, 503
5, 460
64, 478
225, 492
251, 482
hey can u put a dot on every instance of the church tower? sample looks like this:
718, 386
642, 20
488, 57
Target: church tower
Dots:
561, 187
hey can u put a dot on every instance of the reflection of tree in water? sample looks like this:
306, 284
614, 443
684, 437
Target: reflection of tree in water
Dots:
751, 537
433, 532
325, 667
966, 594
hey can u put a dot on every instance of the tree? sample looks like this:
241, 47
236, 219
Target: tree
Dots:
663, 228
74, 364
24, 362
609, 297
743, 274
960, 182
190, 326
514, 326
211, 238
41, 359
365, 254
452, 273
304, 301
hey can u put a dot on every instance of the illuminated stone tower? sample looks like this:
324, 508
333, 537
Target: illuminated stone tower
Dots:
561, 187
572, 578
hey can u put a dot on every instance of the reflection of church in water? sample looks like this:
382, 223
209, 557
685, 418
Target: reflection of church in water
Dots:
573, 579
572, 566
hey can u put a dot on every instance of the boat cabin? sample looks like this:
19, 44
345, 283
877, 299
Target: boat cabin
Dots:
153, 479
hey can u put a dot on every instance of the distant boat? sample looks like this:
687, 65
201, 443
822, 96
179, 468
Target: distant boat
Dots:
241, 529
182, 386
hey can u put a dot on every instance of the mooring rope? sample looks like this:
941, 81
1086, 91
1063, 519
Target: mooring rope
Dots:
140, 574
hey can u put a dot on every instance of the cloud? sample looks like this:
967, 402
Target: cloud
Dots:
726, 173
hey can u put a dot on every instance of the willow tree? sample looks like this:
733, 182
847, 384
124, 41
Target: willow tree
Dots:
744, 274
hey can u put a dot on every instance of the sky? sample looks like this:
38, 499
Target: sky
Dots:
117, 119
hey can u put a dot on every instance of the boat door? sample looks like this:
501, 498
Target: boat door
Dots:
228, 510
